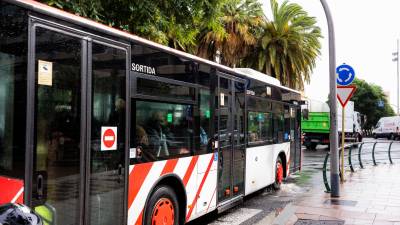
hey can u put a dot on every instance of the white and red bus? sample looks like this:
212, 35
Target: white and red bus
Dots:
99, 126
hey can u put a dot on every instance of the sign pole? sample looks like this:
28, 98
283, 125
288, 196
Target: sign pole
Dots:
344, 94
333, 133
342, 172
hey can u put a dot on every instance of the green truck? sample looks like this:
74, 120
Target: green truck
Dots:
315, 123
315, 129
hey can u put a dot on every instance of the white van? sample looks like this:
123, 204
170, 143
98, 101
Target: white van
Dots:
387, 127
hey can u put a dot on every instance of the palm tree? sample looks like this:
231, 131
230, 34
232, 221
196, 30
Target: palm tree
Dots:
288, 46
233, 31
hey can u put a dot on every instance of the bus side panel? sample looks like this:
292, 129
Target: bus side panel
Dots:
260, 165
207, 199
12, 190
287, 153
198, 174
258, 168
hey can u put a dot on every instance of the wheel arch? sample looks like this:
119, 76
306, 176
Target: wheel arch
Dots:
176, 183
282, 156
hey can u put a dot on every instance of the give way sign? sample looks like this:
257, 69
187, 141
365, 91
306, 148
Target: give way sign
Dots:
108, 138
344, 94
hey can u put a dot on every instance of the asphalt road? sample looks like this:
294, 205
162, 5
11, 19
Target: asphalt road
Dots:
265, 205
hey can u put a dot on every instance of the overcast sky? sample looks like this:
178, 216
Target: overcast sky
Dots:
366, 33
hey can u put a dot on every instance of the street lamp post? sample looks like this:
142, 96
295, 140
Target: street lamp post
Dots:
333, 133
396, 59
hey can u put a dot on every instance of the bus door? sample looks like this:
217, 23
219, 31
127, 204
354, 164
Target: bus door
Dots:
78, 93
231, 141
296, 158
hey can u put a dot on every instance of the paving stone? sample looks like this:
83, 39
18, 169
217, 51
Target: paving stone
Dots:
319, 222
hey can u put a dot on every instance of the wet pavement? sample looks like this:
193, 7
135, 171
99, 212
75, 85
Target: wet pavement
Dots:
369, 196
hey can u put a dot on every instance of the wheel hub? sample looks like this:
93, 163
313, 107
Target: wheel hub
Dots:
279, 173
163, 212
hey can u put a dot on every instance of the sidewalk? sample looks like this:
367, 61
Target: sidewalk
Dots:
370, 196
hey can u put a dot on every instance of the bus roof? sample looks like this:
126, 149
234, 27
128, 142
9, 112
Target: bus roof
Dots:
69, 17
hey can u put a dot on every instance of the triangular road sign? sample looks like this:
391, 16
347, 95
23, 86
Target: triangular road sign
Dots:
344, 93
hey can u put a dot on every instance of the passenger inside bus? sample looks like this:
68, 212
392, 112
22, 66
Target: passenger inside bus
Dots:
163, 130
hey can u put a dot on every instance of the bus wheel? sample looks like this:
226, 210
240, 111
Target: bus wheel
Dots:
163, 207
278, 174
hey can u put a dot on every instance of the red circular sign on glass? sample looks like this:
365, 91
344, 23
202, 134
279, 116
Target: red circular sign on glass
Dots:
109, 138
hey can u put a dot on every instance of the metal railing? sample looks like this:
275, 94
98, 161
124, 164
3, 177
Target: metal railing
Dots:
378, 151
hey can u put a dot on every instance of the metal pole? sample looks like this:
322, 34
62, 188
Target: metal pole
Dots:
342, 144
333, 135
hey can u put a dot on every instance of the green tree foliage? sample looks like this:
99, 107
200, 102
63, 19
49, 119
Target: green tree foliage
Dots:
366, 100
288, 46
285, 47
239, 22
174, 23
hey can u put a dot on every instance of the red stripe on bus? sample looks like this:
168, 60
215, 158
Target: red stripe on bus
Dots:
169, 166
10, 188
200, 187
139, 221
189, 171
136, 179
20, 199
208, 207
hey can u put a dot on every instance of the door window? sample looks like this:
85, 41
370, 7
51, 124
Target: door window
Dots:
57, 180
108, 112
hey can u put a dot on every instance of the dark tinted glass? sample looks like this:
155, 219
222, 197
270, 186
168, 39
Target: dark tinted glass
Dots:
259, 128
204, 77
165, 64
13, 64
288, 129
108, 111
279, 124
258, 104
58, 126
156, 88
205, 121
163, 130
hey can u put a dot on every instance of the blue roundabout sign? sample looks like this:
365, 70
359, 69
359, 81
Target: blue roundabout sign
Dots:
345, 75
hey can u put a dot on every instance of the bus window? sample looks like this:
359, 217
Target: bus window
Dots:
259, 128
163, 130
162, 64
287, 118
205, 121
13, 52
162, 89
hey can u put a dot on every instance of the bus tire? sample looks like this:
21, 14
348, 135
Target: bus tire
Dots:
163, 207
278, 174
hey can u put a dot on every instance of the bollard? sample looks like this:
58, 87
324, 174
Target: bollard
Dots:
373, 154
326, 183
350, 162
390, 157
359, 157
